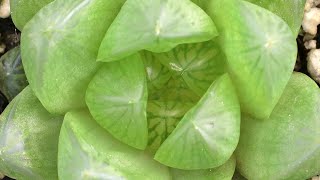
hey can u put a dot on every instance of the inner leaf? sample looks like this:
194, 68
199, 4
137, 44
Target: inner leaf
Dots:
208, 133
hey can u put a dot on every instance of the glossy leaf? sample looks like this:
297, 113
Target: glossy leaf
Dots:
82, 155
23, 10
59, 49
157, 25
12, 77
29, 139
163, 84
197, 64
261, 52
287, 145
208, 133
117, 99
163, 117
223, 172
290, 11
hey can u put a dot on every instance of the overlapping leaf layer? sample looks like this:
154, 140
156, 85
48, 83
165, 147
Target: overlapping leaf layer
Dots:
158, 90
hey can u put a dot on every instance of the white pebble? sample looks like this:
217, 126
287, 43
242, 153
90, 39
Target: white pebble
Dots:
2, 48
312, 44
311, 20
4, 8
316, 178
314, 64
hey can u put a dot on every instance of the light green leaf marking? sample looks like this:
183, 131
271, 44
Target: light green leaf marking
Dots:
117, 99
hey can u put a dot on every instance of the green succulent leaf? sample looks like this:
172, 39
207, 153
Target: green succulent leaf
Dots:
84, 156
117, 99
12, 77
163, 117
287, 145
197, 64
157, 25
261, 53
163, 84
29, 139
208, 133
23, 10
224, 172
290, 11
59, 49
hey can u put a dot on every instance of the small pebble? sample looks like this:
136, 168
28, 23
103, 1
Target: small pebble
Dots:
311, 20
316, 178
314, 64
311, 44
2, 48
4, 8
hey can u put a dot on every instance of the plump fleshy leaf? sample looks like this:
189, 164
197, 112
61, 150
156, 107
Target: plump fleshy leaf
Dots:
117, 99
163, 84
289, 10
208, 133
59, 49
261, 52
29, 139
23, 10
287, 145
163, 117
224, 172
12, 77
157, 25
197, 64
87, 151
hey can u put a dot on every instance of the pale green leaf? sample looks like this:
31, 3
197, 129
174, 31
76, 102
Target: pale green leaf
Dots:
87, 151
223, 172
261, 52
23, 10
287, 145
157, 25
29, 139
208, 133
59, 48
291, 11
117, 99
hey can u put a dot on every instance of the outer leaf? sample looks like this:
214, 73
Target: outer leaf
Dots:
290, 11
59, 49
223, 172
23, 10
208, 134
117, 99
84, 156
157, 25
163, 117
287, 145
197, 64
12, 77
261, 53
28, 139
